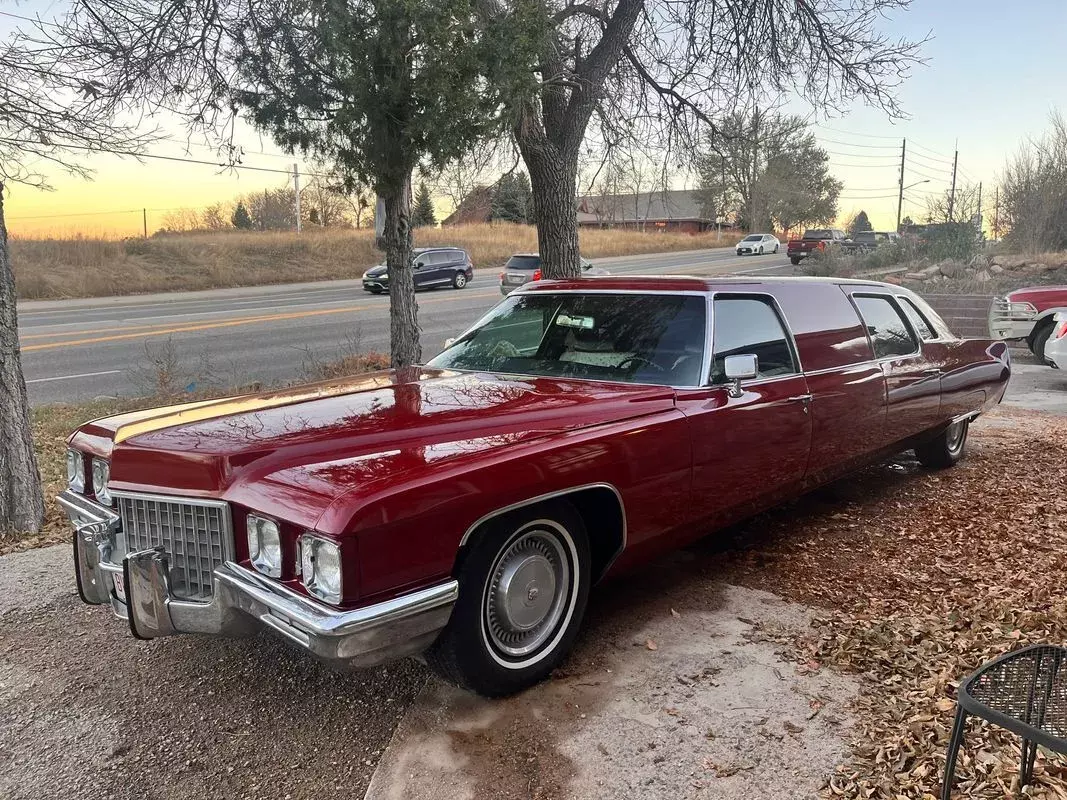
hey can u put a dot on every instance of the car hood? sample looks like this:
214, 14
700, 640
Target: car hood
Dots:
292, 453
378, 271
1042, 297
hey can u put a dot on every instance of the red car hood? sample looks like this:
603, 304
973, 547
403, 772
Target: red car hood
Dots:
291, 453
1042, 297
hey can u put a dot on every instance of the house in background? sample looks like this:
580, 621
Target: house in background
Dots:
673, 210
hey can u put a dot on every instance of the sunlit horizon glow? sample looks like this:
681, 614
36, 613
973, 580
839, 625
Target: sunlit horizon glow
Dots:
986, 86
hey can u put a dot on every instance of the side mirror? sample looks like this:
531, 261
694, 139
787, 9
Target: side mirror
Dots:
450, 342
586, 266
417, 265
740, 368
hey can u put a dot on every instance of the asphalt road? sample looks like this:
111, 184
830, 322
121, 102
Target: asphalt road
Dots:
80, 349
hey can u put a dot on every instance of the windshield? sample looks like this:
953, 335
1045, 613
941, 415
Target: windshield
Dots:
755, 238
523, 262
613, 337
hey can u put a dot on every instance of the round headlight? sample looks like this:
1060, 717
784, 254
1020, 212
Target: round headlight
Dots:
75, 470
264, 545
321, 568
101, 475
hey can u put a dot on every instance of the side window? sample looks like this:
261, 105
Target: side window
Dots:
918, 321
750, 325
888, 331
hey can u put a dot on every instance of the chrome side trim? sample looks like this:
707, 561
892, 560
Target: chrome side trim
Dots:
970, 415
541, 498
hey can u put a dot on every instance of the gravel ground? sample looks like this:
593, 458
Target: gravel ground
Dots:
89, 712
673, 692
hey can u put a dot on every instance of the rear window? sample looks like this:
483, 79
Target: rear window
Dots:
524, 262
818, 233
868, 236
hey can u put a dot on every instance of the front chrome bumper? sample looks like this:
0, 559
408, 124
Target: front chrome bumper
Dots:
244, 600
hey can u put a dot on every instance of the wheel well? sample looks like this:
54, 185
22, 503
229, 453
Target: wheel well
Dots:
1042, 323
600, 508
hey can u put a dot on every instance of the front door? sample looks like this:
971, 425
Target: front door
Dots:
749, 450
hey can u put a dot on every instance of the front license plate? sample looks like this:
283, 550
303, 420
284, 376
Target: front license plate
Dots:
120, 587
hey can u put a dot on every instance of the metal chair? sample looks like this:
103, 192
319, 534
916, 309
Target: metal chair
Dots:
1025, 692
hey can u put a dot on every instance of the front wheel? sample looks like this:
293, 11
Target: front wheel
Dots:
523, 588
945, 450
776, 247
761, 249
459, 280
1039, 339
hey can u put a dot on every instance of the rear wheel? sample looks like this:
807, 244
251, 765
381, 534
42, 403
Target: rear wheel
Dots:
947, 449
794, 260
459, 280
1038, 340
523, 588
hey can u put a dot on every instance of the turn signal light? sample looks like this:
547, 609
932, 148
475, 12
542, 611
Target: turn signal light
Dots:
1061, 330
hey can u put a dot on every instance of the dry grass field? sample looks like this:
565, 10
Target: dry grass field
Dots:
88, 267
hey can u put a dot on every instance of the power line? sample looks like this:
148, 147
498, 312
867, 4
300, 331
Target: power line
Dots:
852, 144
853, 133
929, 161
157, 156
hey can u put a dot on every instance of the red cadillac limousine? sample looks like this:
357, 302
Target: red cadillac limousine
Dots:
464, 509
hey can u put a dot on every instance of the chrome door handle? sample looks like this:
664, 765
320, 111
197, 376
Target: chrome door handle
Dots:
800, 398
932, 371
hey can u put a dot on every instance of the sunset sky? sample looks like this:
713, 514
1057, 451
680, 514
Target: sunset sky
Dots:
994, 73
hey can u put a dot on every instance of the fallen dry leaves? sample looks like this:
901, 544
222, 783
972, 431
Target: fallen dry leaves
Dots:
926, 576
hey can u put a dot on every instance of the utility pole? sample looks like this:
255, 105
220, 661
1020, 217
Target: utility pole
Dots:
144, 220
721, 216
900, 197
996, 214
980, 224
296, 192
952, 193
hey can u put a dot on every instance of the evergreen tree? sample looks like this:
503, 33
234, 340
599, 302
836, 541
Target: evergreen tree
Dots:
241, 219
512, 199
860, 223
422, 215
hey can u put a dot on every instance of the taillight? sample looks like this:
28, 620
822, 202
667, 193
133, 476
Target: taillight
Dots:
822, 245
537, 275
1061, 330
501, 276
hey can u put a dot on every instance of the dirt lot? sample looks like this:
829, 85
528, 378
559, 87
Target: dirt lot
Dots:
897, 583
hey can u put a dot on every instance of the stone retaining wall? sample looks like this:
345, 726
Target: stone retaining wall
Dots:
966, 314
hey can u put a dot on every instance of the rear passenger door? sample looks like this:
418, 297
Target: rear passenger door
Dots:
913, 384
748, 451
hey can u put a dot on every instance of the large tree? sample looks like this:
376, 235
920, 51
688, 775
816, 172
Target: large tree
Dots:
766, 169
375, 88
662, 70
50, 114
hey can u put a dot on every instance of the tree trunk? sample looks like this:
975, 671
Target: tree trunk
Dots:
21, 501
554, 181
403, 308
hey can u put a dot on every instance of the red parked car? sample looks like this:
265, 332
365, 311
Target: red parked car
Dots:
464, 509
1027, 314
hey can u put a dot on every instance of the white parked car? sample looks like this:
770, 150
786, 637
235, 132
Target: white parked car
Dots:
1056, 345
757, 244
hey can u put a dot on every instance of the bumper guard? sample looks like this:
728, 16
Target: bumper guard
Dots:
361, 637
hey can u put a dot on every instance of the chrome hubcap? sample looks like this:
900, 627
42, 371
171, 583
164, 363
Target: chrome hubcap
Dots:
954, 436
527, 594
461, 281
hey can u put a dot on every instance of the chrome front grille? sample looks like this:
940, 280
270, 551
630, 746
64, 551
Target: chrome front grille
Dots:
1000, 318
196, 534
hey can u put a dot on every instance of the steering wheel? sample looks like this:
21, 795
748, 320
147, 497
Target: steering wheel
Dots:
639, 360
503, 349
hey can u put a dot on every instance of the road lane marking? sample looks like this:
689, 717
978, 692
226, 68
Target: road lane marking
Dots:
145, 331
72, 377
212, 325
